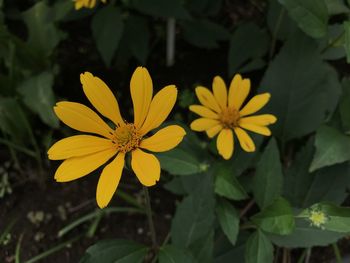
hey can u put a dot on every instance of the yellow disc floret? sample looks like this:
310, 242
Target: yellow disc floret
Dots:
317, 218
126, 138
229, 117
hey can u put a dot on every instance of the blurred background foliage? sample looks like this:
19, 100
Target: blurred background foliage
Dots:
298, 50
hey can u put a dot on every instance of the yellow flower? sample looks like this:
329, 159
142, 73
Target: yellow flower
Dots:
86, 3
222, 113
83, 154
317, 218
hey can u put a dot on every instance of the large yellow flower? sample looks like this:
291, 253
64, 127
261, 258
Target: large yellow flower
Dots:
85, 153
85, 3
222, 114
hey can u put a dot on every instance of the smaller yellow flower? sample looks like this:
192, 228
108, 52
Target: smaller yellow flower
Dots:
222, 113
85, 3
317, 218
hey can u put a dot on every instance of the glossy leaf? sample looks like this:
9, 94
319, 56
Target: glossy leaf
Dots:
107, 28
310, 15
194, 216
277, 218
115, 250
258, 249
267, 182
304, 90
332, 147
228, 219
38, 95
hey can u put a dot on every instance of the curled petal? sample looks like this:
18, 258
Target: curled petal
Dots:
225, 143
244, 139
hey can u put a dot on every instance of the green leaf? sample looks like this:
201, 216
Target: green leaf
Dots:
116, 251
304, 90
227, 185
202, 249
162, 8
243, 46
13, 121
228, 219
258, 249
332, 46
136, 37
346, 25
297, 178
204, 33
179, 162
310, 15
336, 7
38, 95
277, 218
337, 218
194, 216
43, 33
305, 235
107, 28
204, 7
344, 105
328, 184
172, 254
332, 147
267, 182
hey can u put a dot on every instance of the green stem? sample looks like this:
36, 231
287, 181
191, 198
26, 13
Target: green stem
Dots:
337, 253
149, 217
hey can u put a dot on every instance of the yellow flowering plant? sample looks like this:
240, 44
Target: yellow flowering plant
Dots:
78, 4
83, 154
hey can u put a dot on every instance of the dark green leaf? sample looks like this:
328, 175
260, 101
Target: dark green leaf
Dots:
228, 219
43, 33
332, 46
304, 90
277, 218
310, 15
332, 147
344, 105
227, 185
179, 162
204, 33
305, 235
162, 8
336, 7
38, 95
172, 254
267, 182
258, 249
243, 46
194, 216
204, 7
346, 25
116, 251
107, 28
202, 249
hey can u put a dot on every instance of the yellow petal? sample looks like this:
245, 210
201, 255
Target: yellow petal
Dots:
220, 91
263, 130
207, 99
92, 3
81, 118
78, 145
238, 92
76, 167
204, 111
255, 104
161, 105
244, 139
203, 124
146, 167
141, 89
260, 120
101, 97
164, 140
78, 4
225, 143
109, 180
214, 130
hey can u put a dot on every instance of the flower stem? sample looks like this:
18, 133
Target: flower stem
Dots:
150, 219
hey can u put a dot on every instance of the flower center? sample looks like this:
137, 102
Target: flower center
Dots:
229, 117
126, 138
